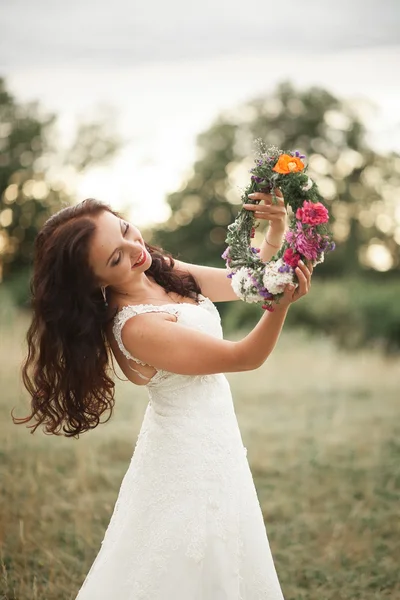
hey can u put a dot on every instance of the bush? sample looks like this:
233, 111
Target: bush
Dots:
356, 312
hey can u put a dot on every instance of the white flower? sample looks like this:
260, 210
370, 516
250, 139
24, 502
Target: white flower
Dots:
243, 286
307, 186
320, 260
275, 281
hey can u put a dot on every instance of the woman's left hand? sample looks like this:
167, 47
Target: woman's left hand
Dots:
275, 213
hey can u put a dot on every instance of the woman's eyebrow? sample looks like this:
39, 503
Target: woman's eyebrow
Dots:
113, 252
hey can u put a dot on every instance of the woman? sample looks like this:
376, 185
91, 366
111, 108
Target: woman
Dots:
187, 524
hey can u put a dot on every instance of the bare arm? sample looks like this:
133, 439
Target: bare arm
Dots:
213, 281
173, 347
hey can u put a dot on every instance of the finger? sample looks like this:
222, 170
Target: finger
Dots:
289, 291
303, 283
268, 217
307, 272
277, 198
273, 210
278, 193
267, 198
307, 276
262, 196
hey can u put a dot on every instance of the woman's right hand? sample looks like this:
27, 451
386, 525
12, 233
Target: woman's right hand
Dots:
292, 294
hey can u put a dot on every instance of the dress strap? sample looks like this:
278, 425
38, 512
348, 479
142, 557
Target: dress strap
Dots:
130, 311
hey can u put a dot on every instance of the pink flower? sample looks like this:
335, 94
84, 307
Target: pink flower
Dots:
291, 258
308, 246
268, 307
304, 241
312, 213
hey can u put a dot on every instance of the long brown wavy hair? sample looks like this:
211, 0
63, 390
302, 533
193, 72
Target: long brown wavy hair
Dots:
67, 367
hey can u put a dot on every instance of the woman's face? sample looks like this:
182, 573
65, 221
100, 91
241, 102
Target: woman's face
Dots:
117, 253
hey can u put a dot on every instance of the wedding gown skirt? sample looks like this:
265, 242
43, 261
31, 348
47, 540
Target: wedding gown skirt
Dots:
187, 524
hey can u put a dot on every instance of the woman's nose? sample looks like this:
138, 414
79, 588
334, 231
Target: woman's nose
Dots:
135, 249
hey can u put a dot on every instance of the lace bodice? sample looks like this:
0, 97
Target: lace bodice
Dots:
207, 319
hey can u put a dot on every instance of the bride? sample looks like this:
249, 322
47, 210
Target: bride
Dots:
187, 523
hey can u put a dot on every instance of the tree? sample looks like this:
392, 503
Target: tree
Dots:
358, 184
29, 190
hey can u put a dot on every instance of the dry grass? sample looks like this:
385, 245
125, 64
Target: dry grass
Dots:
322, 431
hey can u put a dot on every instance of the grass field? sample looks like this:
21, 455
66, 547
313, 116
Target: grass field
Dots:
322, 429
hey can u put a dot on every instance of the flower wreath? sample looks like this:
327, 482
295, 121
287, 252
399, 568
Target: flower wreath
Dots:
308, 236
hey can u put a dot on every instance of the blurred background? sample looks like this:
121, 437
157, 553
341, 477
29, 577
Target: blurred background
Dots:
154, 109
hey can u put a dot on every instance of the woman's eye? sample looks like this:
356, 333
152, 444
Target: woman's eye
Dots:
116, 262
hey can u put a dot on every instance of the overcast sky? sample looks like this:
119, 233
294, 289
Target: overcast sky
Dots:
42, 33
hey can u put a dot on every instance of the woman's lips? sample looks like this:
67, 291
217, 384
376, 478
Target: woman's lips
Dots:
141, 260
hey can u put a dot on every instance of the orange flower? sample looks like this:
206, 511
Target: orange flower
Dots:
288, 164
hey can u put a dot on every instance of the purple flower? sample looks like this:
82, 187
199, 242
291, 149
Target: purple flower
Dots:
230, 275
297, 153
225, 254
256, 178
266, 294
290, 236
284, 269
324, 245
307, 246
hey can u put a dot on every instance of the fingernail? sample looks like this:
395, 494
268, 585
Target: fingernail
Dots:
251, 195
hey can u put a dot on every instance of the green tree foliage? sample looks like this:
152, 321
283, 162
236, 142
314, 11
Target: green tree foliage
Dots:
30, 190
358, 184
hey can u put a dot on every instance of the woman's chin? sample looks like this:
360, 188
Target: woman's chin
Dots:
147, 264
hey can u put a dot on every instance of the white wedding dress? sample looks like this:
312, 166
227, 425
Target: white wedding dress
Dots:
187, 524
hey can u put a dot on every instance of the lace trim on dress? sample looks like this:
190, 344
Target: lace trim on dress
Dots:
130, 311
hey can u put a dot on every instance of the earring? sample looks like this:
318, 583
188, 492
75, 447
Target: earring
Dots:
103, 291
